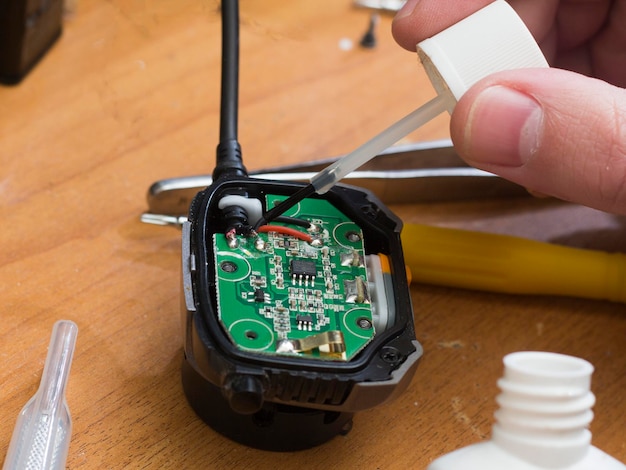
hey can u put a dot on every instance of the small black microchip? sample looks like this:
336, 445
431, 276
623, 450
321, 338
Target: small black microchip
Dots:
304, 319
304, 322
303, 268
259, 295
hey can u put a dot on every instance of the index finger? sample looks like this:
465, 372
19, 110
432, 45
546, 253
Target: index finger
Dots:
421, 19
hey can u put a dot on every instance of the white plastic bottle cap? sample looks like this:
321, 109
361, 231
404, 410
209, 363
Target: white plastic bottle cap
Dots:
492, 39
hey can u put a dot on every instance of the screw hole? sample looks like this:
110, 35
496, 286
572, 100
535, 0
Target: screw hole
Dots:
364, 323
353, 236
228, 267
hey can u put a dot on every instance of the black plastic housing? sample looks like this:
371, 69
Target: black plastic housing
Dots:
28, 28
255, 398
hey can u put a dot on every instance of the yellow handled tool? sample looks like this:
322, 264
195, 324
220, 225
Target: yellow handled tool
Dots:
500, 263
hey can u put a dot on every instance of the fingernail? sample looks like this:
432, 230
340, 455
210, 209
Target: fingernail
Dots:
407, 9
504, 127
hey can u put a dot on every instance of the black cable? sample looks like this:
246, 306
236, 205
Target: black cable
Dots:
283, 219
228, 159
229, 162
230, 71
285, 205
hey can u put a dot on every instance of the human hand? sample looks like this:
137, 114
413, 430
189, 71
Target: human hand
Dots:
556, 132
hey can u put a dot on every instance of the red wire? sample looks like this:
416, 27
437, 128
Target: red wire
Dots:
285, 231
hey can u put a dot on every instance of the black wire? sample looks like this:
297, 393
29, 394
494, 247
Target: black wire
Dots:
228, 159
283, 219
285, 205
229, 162
230, 70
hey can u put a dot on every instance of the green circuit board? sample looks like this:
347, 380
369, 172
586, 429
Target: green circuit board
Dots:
302, 294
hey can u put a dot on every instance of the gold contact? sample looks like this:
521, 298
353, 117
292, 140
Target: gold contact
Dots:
328, 342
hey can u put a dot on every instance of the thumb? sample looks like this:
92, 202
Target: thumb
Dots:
553, 131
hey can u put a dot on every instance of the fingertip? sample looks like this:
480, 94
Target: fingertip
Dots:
503, 127
403, 27
421, 19
406, 10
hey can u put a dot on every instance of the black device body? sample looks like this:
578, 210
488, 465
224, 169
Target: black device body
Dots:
28, 28
280, 402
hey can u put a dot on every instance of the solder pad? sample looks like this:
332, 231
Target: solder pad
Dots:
278, 289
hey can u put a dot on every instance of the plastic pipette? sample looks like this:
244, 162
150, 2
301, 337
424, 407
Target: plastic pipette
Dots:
330, 175
491, 40
42, 433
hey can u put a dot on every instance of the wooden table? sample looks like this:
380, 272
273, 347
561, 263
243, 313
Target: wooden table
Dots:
130, 95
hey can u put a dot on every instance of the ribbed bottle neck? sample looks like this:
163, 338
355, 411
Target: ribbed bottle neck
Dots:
545, 408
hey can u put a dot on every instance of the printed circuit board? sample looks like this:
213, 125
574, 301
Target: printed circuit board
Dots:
298, 287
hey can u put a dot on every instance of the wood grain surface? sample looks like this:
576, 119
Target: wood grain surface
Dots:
130, 95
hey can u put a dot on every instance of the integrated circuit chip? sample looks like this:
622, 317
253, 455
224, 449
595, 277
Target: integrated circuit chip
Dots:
259, 295
302, 270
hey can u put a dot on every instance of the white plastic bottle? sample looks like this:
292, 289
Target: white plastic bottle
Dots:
542, 422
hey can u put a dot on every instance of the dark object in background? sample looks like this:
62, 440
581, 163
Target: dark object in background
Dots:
368, 40
27, 30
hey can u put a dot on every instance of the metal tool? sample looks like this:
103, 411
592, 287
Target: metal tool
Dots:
422, 172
